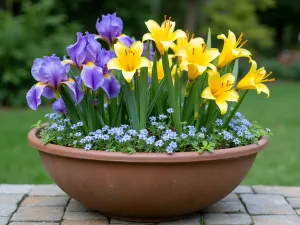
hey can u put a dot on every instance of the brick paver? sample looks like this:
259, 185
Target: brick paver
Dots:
49, 205
276, 220
47, 190
264, 204
4, 220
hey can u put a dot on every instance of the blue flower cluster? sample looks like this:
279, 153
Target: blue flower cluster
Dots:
158, 137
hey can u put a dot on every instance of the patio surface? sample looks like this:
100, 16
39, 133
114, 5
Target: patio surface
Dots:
246, 205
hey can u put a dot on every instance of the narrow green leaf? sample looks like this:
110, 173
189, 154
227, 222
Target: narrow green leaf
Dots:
208, 41
119, 107
235, 69
156, 97
143, 96
154, 89
74, 112
171, 94
131, 106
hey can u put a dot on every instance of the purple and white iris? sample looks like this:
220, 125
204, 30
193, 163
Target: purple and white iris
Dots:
109, 27
87, 55
50, 73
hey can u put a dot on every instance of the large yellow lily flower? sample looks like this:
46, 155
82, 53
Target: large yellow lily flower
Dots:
220, 89
182, 43
163, 35
232, 49
196, 58
254, 79
128, 59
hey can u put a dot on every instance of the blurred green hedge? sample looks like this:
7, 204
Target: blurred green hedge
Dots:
34, 33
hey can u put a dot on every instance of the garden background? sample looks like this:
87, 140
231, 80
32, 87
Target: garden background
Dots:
32, 28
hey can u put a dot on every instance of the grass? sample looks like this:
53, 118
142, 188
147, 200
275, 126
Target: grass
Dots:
278, 165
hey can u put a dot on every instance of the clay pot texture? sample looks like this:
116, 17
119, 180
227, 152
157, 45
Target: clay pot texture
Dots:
146, 187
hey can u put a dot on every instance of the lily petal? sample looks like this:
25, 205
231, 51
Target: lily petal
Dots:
120, 49
128, 75
147, 36
207, 94
209, 55
223, 106
263, 88
144, 62
178, 34
114, 64
231, 95
152, 26
137, 47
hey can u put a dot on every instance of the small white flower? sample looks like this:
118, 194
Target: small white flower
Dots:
162, 117
170, 110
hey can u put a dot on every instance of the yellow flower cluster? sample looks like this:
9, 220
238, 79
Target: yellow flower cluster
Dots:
196, 58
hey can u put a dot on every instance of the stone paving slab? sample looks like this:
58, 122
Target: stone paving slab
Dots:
15, 189
285, 191
10, 199
83, 216
226, 207
37, 214
4, 220
85, 222
191, 220
231, 198
75, 206
49, 205
242, 189
263, 204
119, 222
8, 210
227, 219
294, 202
276, 220
47, 190
45, 201
32, 223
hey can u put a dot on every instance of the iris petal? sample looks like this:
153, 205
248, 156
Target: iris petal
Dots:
92, 76
33, 96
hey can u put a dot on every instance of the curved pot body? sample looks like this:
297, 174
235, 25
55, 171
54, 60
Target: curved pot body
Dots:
146, 186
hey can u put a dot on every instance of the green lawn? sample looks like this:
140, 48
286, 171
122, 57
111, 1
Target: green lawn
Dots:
278, 165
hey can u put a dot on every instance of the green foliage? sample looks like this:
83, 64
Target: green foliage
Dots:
34, 33
239, 16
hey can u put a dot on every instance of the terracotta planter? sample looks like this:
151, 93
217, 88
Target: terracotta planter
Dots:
146, 186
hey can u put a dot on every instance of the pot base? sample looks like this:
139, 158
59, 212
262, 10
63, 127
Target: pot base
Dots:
146, 220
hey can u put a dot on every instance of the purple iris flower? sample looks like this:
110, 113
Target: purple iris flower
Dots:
128, 41
87, 54
86, 49
109, 27
59, 106
50, 73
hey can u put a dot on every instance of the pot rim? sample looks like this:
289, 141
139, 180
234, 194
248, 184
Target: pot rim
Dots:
97, 155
